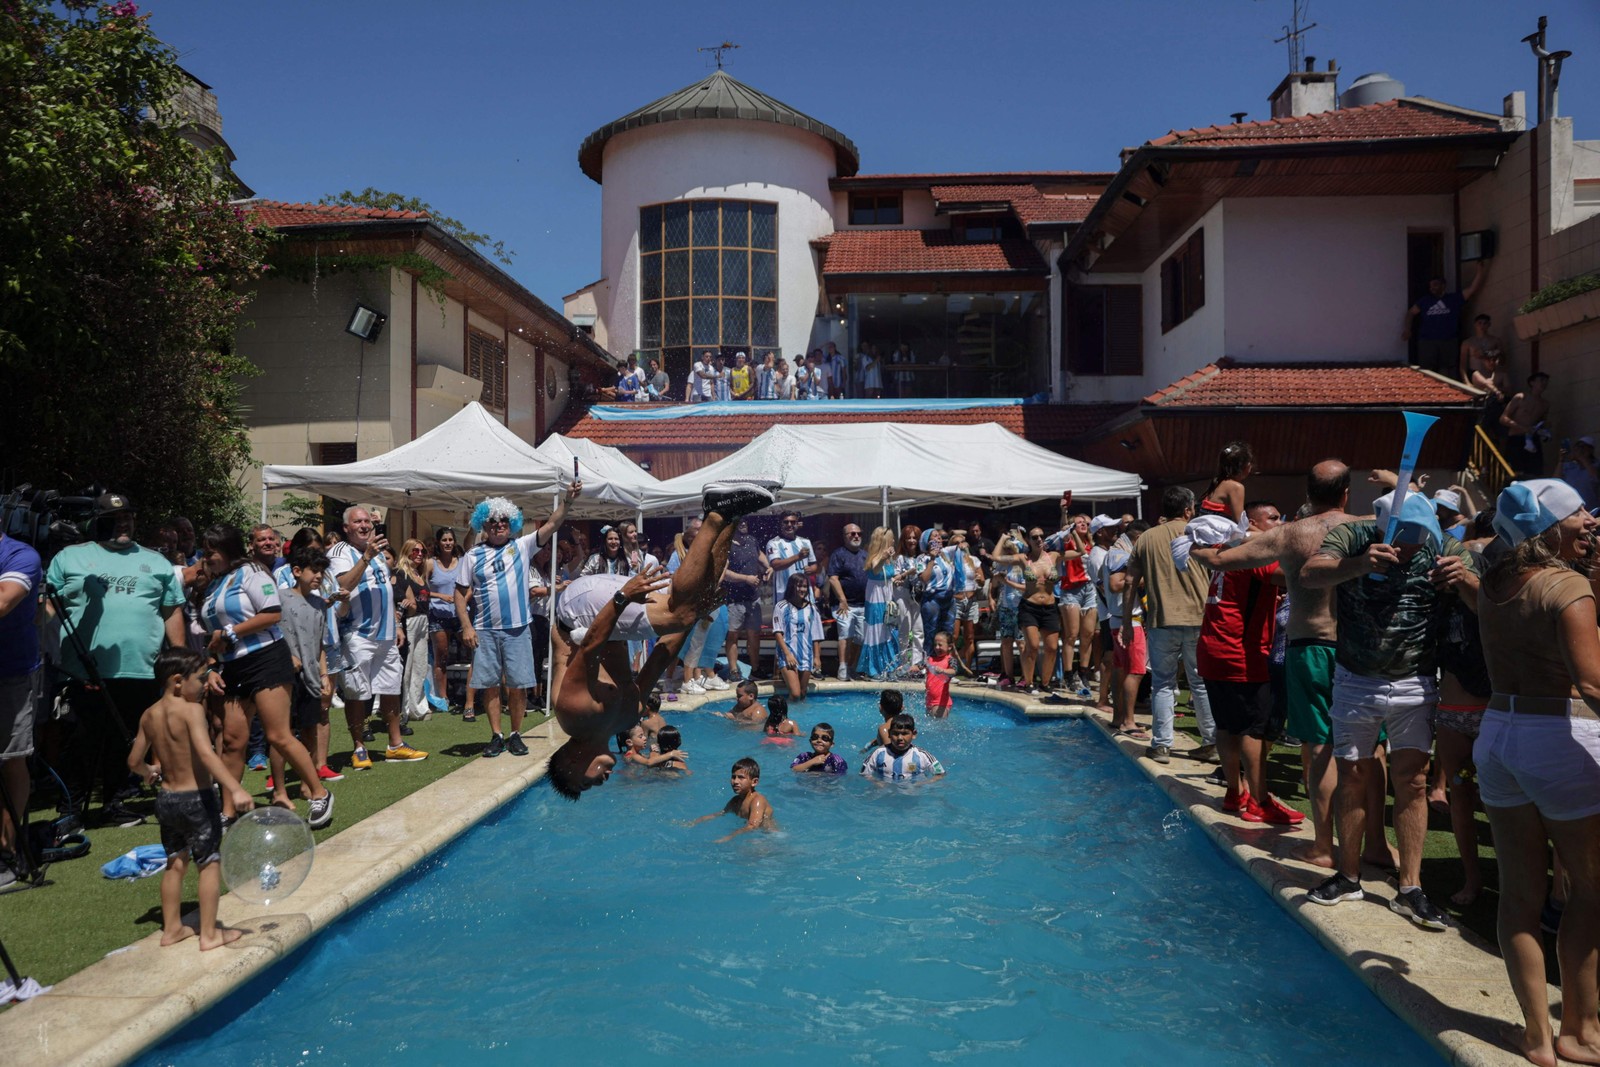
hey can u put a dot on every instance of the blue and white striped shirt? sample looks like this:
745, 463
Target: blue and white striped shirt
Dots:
498, 578
949, 573
913, 763
372, 600
237, 597
795, 625
780, 548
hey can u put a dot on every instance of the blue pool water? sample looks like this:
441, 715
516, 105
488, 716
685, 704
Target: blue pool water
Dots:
1043, 899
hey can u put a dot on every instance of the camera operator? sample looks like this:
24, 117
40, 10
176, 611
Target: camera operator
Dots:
121, 601
21, 575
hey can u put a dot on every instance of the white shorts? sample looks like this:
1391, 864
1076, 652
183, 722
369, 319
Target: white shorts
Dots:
1363, 706
582, 600
1549, 761
850, 625
371, 668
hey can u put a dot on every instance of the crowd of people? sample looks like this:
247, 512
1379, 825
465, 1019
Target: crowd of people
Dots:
823, 374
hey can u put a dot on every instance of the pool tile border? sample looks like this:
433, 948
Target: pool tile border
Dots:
1448, 986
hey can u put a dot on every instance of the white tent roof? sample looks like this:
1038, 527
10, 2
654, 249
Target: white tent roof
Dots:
454, 465
596, 462
846, 467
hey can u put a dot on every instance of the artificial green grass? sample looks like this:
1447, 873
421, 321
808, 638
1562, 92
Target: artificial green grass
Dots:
78, 916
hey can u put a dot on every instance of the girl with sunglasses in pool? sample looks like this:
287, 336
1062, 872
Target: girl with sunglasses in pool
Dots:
821, 759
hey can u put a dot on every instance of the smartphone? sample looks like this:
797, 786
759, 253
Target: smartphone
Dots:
381, 529
574, 468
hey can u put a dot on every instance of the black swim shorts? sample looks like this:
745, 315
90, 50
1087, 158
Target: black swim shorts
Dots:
1043, 616
191, 822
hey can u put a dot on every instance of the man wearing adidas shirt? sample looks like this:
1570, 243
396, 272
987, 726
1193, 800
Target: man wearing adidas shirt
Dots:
495, 577
372, 662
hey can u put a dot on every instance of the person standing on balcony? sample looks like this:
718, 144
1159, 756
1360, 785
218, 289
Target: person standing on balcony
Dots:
743, 378
905, 382
838, 370
1436, 318
1578, 470
871, 374
765, 389
1478, 350
658, 386
703, 377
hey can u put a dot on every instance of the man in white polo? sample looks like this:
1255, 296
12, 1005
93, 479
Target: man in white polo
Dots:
372, 661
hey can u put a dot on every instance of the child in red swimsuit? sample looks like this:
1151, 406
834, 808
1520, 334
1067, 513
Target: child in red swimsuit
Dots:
941, 667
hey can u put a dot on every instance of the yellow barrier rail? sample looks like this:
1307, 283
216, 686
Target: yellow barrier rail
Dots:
1487, 465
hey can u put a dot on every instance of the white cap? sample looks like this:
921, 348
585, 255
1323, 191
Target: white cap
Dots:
1100, 522
1447, 498
1586, 440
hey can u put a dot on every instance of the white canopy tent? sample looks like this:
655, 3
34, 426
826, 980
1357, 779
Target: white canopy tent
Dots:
469, 456
599, 462
873, 466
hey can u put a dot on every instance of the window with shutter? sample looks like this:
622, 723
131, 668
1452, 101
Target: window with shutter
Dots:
486, 361
1183, 281
1104, 329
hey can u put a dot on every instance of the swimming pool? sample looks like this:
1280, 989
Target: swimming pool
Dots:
1043, 899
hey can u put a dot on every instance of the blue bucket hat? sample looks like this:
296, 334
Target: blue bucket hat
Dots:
1527, 509
1418, 520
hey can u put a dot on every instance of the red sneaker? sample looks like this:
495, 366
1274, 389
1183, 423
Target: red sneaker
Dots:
1280, 815
328, 774
1236, 801
269, 783
1251, 811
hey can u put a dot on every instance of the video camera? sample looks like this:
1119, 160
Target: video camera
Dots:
48, 519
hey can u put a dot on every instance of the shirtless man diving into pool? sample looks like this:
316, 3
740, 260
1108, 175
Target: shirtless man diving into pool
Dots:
596, 693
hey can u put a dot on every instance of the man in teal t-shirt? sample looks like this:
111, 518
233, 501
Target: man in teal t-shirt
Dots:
121, 601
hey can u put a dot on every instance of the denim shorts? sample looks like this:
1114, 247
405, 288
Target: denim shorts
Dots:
850, 625
503, 654
969, 610
1082, 596
447, 624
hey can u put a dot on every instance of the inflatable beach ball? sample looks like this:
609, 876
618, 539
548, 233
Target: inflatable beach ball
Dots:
267, 855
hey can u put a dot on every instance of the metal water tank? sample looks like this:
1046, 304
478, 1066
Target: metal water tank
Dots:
1371, 89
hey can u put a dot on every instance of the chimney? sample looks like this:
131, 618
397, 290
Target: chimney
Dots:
1306, 92
1514, 112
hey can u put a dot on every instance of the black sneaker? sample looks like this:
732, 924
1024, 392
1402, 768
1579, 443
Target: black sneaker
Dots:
321, 811
1336, 889
515, 746
734, 500
1216, 777
405, 729
497, 745
1414, 904
1159, 753
366, 734
119, 814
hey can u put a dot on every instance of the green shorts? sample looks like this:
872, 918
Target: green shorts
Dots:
1308, 665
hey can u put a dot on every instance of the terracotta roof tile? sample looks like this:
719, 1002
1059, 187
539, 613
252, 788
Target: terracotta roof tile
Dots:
1039, 423
278, 215
1391, 119
924, 252
1228, 385
1031, 206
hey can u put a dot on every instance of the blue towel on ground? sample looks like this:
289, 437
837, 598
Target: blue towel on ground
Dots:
141, 862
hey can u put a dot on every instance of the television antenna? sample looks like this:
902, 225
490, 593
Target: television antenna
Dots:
1294, 32
717, 50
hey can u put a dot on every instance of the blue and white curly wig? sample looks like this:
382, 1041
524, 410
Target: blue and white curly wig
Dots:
497, 507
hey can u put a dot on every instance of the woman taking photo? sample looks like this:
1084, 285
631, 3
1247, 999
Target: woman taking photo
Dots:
411, 598
1538, 754
878, 652
941, 573
240, 609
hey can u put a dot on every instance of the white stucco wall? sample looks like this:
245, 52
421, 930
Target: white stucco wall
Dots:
715, 158
1321, 278
1197, 340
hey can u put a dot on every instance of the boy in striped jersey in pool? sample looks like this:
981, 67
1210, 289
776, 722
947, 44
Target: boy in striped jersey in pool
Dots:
901, 760
495, 576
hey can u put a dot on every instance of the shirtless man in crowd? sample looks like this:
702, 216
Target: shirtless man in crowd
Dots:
1036, 613
1313, 630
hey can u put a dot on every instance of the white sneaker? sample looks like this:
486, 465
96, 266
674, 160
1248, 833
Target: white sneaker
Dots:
844, 675
714, 683
691, 687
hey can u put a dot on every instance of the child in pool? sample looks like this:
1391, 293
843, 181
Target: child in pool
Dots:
745, 708
668, 742
780, 728
635, 746
793, 620
650, 717
941, 668
821, 759
890, 704
747, 803
173, 732
901, 760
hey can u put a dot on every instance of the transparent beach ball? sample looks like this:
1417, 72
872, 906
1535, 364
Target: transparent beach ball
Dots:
267, 855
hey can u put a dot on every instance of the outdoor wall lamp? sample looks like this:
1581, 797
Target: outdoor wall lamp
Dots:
366, 323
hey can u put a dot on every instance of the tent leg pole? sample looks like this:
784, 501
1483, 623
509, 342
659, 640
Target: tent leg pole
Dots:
883, 502
263, 503
550, 639
1138, 504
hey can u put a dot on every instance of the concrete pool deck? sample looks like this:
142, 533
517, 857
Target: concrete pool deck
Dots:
1449, 986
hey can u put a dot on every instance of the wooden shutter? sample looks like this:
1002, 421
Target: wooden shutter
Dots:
1124, 345
486, 361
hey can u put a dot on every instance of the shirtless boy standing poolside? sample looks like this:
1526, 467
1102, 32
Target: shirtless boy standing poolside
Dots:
173, 729
746, 803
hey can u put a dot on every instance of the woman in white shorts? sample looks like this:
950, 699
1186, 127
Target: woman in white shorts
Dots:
1538, 753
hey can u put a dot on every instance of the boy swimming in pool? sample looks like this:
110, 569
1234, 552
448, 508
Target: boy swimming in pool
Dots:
901, 760
746, 803
745, 708
890, 704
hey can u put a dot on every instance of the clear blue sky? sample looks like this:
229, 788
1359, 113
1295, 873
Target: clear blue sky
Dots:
478, 107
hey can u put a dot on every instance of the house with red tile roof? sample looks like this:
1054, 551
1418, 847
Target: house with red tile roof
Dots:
375, 326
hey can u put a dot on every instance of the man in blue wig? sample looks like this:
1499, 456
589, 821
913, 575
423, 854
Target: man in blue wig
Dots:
1393, 605
496, 579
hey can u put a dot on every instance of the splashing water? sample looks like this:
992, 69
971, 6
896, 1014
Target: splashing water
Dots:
1174, 824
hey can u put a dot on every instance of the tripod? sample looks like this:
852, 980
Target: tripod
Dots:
94, 682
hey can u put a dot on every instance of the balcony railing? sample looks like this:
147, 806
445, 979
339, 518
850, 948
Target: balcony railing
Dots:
1487, 465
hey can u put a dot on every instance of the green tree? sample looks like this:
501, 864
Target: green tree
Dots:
122, 264
375, 198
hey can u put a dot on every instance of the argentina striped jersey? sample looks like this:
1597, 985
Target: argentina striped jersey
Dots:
372, 600
498, 578
913, 763
237, 597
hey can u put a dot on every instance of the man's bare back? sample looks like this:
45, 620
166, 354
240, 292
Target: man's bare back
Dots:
1311, 615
